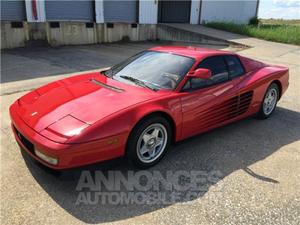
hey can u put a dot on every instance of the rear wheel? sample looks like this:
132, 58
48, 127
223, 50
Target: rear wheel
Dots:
269, 102
149, 142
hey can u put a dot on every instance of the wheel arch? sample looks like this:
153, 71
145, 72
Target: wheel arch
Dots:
278, 83
163, 114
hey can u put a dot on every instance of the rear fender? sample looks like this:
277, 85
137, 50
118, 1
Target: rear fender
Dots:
260, 80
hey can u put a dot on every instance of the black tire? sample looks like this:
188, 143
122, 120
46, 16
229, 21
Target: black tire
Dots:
132, 143
262, 114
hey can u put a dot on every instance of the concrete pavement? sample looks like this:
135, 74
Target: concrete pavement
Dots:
258, 160
258, 48
40, 65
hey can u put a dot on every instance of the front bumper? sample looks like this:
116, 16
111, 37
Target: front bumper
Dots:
68, 155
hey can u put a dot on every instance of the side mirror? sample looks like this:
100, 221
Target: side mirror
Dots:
201, 73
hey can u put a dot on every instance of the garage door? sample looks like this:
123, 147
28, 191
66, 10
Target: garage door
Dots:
13, 10
120, 11
174, 11
70, 10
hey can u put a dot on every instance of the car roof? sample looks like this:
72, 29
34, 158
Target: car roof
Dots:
191, 51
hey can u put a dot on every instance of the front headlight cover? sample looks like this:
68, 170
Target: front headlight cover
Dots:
49, 159
64, 129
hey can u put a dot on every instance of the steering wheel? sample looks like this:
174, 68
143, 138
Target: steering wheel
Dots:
173, 78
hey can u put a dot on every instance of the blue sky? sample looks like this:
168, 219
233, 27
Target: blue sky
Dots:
285, 9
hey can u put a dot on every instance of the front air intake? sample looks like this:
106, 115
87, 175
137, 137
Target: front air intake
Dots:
106, 86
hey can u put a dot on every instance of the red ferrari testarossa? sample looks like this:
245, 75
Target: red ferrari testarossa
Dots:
140, 106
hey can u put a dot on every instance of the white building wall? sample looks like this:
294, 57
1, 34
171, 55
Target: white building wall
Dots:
40, 8
99, 10
195, 11
148, 10
229, 11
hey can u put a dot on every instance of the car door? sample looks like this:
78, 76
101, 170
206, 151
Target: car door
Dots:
208, 103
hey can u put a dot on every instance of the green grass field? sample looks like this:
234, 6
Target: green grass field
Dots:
280, 22
272, 30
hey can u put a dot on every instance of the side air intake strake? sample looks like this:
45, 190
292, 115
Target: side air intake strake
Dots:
227, 110
106, 86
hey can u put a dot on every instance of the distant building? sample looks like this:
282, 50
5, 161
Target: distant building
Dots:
86, 21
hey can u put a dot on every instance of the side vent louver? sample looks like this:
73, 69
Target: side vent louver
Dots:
245, 100
227, 110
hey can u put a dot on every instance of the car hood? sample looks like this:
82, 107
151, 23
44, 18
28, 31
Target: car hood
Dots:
87, 98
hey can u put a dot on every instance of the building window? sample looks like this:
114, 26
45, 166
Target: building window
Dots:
16, 24
89, 25
110, 25
54, 25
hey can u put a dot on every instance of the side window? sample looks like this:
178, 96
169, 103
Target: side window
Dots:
235, 67
219, 71
195, 83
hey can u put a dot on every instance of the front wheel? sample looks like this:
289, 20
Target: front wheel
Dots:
149, 142
269, 102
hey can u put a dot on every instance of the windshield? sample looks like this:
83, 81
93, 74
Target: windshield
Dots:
157, 70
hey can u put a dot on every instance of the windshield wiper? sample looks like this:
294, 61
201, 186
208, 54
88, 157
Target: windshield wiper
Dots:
138, 82
105, 73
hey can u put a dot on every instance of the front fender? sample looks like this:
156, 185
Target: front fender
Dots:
121, 123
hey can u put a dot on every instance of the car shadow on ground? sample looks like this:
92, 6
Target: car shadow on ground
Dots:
225, 150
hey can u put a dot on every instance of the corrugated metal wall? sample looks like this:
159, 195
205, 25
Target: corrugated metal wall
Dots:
148, 11
120, 11
70, 10
234, 11
13, 10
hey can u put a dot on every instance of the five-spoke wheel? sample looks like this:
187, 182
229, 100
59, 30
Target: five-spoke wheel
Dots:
270, 101
149, 141
152, 142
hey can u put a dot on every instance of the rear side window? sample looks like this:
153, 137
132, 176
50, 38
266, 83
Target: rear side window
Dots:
218, 68
235, 67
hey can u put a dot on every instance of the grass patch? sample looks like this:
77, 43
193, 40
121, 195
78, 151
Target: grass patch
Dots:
283, 33
280, 22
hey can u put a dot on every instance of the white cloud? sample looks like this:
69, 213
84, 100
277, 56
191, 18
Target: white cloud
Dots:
287, 3
285, 9
282, 12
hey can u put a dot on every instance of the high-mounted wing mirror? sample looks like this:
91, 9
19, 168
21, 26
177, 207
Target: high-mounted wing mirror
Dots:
201, 73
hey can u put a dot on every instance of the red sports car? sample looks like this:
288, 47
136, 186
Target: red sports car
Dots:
139, 107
